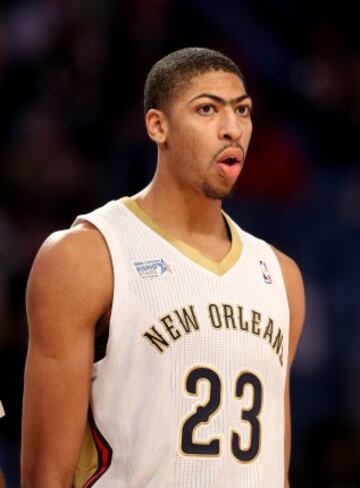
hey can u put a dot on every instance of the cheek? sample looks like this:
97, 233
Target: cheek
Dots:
250, 128
248, 133
191, 143
199, 152
186, 142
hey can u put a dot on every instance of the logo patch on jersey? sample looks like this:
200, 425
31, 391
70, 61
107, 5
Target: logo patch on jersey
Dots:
152, 268
265, 273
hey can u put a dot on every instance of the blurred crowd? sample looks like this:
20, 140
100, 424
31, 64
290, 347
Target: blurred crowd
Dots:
72, 137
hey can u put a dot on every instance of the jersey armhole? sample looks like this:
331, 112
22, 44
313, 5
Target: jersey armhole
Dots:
119, 288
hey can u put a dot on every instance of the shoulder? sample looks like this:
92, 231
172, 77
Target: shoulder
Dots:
296, 297
291, 271
72, 265
81, 248
73, 242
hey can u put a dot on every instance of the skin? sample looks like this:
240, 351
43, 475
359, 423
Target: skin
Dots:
70, 285
296, 299
190, 135
68, 293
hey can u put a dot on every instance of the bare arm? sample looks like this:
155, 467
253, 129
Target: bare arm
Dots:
296, 298
69, 289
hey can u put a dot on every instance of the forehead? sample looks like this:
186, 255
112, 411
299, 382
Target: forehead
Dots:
220, 83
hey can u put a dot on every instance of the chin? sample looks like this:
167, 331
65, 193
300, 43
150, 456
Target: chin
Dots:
217, 193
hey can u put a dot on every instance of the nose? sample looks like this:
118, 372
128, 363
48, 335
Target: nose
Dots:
230, 128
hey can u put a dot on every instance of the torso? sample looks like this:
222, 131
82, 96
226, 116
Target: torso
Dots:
190, 391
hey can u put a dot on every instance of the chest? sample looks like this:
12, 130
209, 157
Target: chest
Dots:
177, 305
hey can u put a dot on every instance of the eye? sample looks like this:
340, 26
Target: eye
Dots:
206, 109
244, 110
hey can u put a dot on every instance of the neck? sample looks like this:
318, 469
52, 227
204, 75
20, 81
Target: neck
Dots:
182, 212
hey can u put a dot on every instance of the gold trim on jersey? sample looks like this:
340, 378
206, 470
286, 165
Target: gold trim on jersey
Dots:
88, 462
217, 267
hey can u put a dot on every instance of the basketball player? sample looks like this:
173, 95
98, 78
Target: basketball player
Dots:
161, 333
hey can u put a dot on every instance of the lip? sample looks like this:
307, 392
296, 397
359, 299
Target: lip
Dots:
231, 153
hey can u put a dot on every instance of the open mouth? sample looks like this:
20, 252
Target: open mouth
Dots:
231, 156
229, 161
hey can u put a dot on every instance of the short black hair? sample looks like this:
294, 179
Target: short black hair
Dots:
174, 71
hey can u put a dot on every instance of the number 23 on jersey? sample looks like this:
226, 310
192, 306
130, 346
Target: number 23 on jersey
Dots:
203, 413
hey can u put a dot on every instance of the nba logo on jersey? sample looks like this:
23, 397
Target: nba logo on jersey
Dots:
265, 273
152, 268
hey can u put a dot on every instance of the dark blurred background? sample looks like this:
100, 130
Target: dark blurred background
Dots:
72, 137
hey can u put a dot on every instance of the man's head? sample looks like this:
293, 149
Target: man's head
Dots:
199, 113
174, 72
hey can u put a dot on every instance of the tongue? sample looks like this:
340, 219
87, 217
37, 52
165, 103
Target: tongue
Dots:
232, 171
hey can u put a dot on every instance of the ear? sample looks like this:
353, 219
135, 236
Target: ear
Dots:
156, 125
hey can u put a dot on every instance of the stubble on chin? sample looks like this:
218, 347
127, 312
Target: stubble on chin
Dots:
218, 193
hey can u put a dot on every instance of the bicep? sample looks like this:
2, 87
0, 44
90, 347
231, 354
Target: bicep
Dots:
64, 301
296, 300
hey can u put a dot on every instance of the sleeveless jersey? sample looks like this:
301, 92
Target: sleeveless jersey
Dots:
190, 392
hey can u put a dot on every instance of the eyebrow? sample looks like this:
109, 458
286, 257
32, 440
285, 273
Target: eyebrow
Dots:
221, 100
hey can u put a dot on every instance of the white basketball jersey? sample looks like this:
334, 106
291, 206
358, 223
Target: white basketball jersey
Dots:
190, 393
